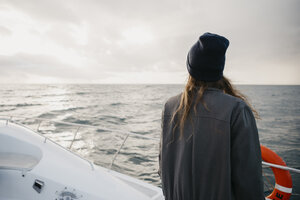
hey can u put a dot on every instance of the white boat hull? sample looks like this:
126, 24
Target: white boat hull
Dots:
33, 167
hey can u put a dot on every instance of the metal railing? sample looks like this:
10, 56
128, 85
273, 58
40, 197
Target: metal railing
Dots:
10, 119
281, 167
79, 126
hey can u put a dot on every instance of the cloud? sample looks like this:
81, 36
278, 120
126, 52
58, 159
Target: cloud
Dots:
5, 31
43, 65
47, 11
107, 40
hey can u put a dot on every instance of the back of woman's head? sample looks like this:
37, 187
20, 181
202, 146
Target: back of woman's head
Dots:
205, 64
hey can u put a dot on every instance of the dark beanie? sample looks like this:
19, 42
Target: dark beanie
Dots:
206, 58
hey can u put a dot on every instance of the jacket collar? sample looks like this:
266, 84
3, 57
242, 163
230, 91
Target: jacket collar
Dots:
211, 89
214, 89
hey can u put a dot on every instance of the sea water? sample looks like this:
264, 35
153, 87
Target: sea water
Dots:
118, 110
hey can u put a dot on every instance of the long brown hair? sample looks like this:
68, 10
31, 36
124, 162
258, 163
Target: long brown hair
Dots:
182, 112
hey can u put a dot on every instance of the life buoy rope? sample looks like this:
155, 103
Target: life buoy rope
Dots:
283, 179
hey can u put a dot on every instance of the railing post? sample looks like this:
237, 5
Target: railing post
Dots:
74, 137
37, 129
92, 166
116, 154
8, 119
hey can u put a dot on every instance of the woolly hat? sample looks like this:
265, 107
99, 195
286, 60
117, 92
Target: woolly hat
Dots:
206, 58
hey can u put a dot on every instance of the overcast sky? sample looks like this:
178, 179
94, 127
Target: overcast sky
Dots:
145, 41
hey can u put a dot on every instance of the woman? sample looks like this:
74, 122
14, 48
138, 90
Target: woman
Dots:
209, 145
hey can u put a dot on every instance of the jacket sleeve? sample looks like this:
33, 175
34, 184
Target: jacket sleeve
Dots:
246, 167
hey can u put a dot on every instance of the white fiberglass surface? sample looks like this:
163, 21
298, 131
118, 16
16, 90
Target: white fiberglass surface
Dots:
16, 153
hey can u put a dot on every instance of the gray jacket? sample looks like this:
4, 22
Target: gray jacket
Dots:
218, 157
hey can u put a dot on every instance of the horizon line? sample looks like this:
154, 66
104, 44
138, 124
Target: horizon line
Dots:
258, 84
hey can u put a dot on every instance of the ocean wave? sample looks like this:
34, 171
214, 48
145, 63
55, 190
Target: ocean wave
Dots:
81, 93
20, 105
112, 119
138, 160
7, 110
116, 104
49, 115
77, 121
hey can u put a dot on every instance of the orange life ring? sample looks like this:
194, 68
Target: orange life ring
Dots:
283, 179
